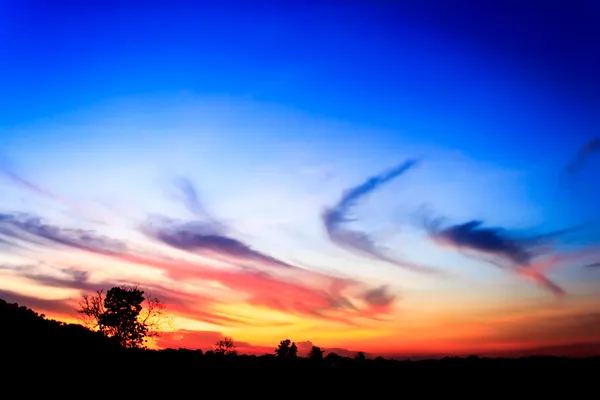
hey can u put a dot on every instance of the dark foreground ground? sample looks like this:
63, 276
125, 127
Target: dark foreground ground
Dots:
40, 356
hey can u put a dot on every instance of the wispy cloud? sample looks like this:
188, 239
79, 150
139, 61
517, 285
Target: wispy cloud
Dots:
593, 265
59, 277
203, 238
336, 217
495, 241
324, 298
554, 326
58, 307
29, 229
497, 246
379, 299
301, 292
7, 168
588, 150
91, 214
188, 194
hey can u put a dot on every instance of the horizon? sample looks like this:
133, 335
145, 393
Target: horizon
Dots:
385, 178
581, 350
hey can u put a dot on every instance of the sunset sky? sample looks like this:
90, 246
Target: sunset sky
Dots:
362, 176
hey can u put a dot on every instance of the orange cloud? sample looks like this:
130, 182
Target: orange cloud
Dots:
56, 308
537, 271
325, 298
281, 287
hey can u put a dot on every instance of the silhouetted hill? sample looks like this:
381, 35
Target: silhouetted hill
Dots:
38, 347
29, 339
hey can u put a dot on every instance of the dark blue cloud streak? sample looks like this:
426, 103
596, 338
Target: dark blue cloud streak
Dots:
197, 237
335, 218
28, 229
506, 250
590, 149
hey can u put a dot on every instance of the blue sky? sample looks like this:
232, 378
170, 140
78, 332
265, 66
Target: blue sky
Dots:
272, 111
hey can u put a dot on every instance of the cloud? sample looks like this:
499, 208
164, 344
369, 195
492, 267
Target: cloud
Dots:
265, 290
541, 279
90, 214
194, 306
541, 333
205, 236
379, 299
190, 198
592, 147
29, 229
304, 347
496, 241
335, 219
56, 277
550, 329
321, 297
202, 238
300, 292
585, 349
498, 247
57, 307
261, 288
593, 265
69, 278
8, 170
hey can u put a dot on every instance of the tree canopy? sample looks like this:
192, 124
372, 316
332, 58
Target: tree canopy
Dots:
316, 353
226, 347
287, 349
124, 313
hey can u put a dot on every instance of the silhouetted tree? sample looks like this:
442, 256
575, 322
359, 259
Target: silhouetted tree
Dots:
283, 348
293, 352
121, 314
26, 336
225, 347
316, 354
333, 358
90, 310
286, 349
360, 356
122, 307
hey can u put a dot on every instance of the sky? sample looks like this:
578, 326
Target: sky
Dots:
400, 179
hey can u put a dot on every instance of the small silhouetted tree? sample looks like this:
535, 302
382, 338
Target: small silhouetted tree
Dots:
333, 359
293, 352
316, 354
287, 349
283, 348
125, 314
360, 356
225, 347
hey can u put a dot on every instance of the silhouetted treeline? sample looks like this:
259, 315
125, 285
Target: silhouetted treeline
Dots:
36, 346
